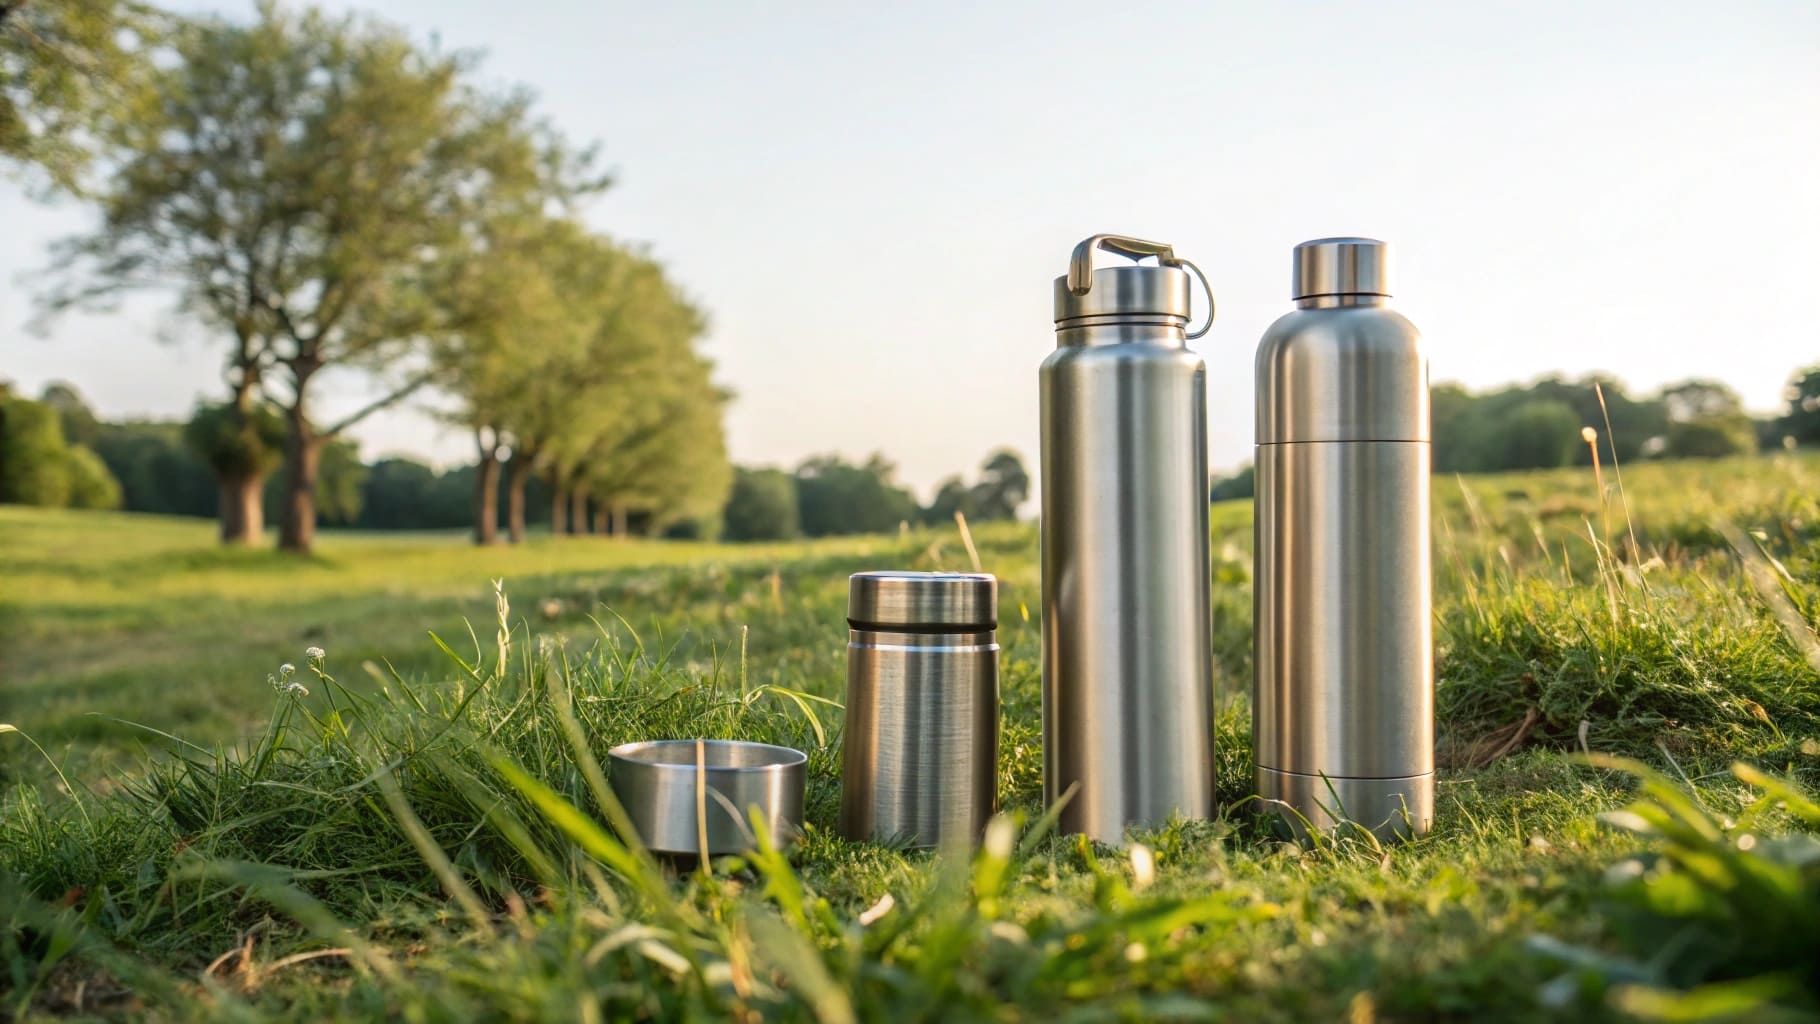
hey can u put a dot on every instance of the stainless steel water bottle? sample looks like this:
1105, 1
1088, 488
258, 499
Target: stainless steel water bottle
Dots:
920, 752
1127, 656
1343, 692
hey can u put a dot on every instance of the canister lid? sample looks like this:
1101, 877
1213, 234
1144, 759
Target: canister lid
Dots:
1341, 266
922, 600
1156, 294
1135, 291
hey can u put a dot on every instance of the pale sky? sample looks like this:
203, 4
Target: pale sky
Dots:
871, 202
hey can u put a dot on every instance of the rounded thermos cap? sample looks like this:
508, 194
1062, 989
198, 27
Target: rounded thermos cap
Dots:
1136, 291
922, 600
1341, 266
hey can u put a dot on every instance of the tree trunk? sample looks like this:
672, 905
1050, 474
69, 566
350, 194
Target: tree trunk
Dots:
242, 508
559, 507
578, 511
600, 518
621, 520
518, 475
302, 455
486, 499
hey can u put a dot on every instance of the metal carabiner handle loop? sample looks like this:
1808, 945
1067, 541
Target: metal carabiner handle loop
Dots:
1208, 324
1080, 266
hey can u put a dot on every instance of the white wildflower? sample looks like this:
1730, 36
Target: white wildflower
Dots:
296, 690
1143, 866
315, 653
286, 669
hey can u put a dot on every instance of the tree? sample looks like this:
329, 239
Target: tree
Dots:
1242, 484
311, 186
396, 496
79, 423
625, 417
521, 358
1802, 421
951, 496
241, 445
34, 466
157, 471
69, 68
343, 483
835, 496
1706, 420
90, 483
1539, 434
1711, 437
37, 465
761, 506
1693, 400
1003, 486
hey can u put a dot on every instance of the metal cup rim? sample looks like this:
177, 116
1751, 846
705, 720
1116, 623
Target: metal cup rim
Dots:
779, 757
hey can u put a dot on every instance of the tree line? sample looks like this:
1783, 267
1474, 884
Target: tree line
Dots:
1542, 425
329, 200
55, 451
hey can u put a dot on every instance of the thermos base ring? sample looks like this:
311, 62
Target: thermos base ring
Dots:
1389, 808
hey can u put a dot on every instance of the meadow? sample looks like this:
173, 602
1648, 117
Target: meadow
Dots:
1629, 694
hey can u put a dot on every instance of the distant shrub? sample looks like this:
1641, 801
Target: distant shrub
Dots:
90, 484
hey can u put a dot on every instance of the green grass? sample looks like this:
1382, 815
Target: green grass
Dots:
436, 819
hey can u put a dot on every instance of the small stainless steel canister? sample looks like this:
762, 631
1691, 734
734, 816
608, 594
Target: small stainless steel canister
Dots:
920, 751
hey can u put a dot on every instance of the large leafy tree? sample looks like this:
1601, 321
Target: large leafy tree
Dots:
311, 186
69, 69
523, 360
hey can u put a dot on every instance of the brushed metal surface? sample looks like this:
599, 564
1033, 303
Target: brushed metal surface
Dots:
1390, 808
1340, 266
1343, 683
919, 753
961, 600
656, 781
1116, 291
1344, 669
1127, 660
1347, 370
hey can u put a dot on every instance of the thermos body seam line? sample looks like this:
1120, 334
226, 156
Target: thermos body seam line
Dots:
1339, 775
1351, 440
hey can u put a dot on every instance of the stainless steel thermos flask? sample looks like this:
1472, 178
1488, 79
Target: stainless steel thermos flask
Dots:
1343, 691
1127, 656
920, 750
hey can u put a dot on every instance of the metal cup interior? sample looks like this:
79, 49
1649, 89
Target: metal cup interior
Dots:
673, 803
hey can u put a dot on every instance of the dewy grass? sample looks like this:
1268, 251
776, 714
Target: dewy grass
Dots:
437, 842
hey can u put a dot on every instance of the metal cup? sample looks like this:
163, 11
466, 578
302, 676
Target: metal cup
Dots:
671, 800
920, 751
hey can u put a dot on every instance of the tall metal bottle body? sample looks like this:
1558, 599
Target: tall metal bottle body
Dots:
1343, 691
1127, 655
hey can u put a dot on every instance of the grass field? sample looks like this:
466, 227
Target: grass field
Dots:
421, 837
